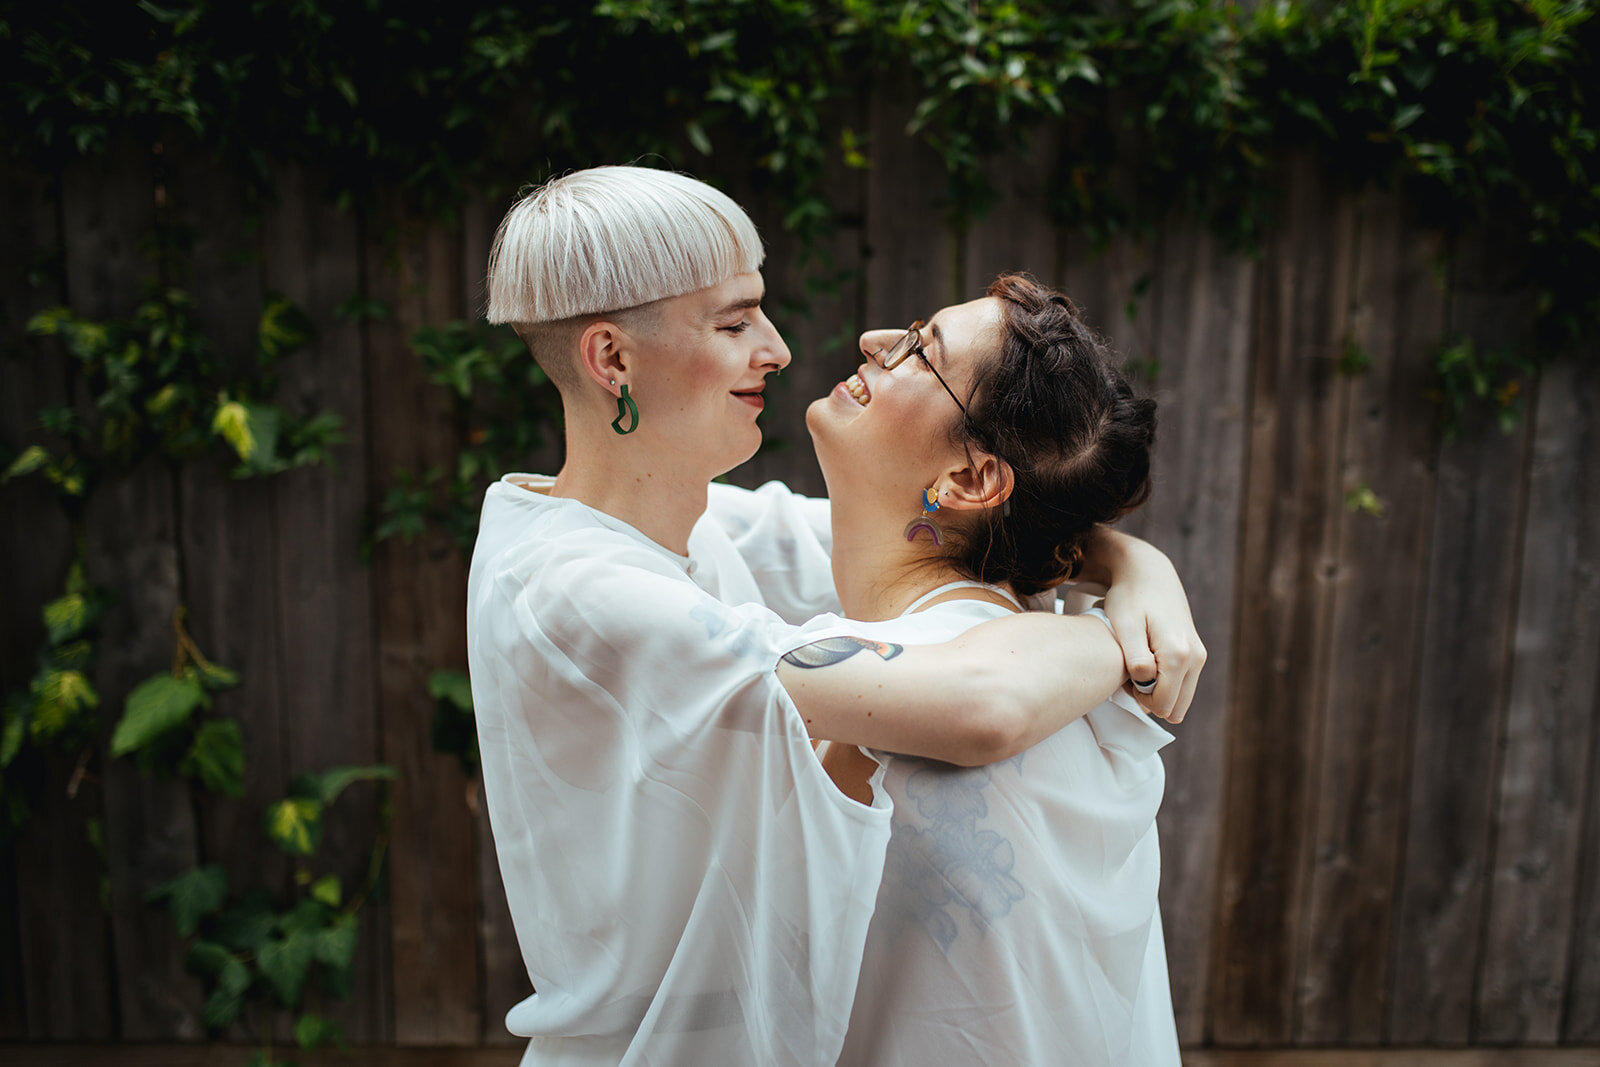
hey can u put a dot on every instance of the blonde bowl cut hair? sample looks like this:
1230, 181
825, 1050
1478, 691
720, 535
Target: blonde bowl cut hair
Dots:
612, 238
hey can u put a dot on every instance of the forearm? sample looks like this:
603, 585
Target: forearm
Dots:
987, 695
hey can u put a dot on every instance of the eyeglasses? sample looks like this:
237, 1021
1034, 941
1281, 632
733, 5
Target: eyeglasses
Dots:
910, 344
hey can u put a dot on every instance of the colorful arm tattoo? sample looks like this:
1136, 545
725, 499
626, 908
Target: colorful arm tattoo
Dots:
831, 650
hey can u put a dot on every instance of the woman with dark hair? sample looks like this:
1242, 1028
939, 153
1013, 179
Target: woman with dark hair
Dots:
968, 461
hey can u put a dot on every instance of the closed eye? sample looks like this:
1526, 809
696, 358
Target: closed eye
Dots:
736, 328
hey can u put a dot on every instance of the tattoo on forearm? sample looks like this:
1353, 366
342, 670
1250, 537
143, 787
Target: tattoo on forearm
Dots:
831, 650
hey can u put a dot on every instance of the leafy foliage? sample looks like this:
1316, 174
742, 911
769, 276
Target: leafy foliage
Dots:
57, 712
507, 405
158, 387
455, 728
253, 947
1161, 105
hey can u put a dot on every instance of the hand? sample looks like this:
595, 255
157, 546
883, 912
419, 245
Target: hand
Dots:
1149, 611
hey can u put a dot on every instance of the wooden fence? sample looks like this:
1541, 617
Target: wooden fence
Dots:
1381, 823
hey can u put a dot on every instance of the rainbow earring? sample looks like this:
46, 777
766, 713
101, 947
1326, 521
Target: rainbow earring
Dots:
930, 504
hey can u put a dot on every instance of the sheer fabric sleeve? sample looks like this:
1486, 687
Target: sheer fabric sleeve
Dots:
687, 885
786, 540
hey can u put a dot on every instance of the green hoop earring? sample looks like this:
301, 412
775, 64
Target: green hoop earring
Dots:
626, 406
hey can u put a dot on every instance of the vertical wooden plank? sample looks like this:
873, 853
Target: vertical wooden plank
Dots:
1464, 665
57, 976
1544, 792
1291, 494
814, 298
1397, 319
420, 626
911, 266
1581, 1023
1016, 234
505, 976
229, 546
131, 542
312, 254
1203, 299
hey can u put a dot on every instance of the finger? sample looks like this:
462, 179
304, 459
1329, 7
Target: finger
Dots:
1186, 691
1138, 658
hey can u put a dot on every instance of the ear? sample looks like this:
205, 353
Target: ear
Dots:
603, 353
986, 482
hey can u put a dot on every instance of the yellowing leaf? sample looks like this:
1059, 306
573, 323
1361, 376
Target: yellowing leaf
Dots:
295, 824
327, 890
232, 422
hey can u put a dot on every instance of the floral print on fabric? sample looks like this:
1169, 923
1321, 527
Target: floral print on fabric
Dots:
950, 862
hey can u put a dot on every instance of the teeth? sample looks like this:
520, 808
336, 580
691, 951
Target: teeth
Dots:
858, 389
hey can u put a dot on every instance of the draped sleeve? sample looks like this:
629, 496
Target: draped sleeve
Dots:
786, 540
686, 884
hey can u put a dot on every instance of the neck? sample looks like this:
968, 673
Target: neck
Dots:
634, 481
877, 572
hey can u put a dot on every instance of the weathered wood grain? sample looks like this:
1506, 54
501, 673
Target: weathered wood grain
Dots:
910, 255
311, 253
420, 627
131, 545
1281, 654
505, 976
40, 871
1581, 1023
229, 546
814, 297
1464, 666
1204, 302
1545, 791
1361, 787
1015, 234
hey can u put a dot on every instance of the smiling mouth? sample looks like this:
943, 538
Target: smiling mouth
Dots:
857, 388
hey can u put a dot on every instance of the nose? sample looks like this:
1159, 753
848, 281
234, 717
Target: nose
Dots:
778, 351
876, 342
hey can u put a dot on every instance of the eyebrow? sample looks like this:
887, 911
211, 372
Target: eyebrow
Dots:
738, 305
938, 339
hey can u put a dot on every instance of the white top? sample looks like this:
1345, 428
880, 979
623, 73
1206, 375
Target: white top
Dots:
687, 885
1017, 921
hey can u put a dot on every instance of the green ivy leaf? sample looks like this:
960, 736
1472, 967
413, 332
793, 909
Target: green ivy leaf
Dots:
16, 729
216, 757
284, 962
59, 697
246, 925
336, 951
192, 895
336, 944
232, 423
32, 458
453, 686
283, 329
65, 617
327, 890
156, 706
326, 787
206, 958
312, 1031
295, 824
227, 999
214, 676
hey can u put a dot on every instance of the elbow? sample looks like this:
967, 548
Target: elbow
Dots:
997, 731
